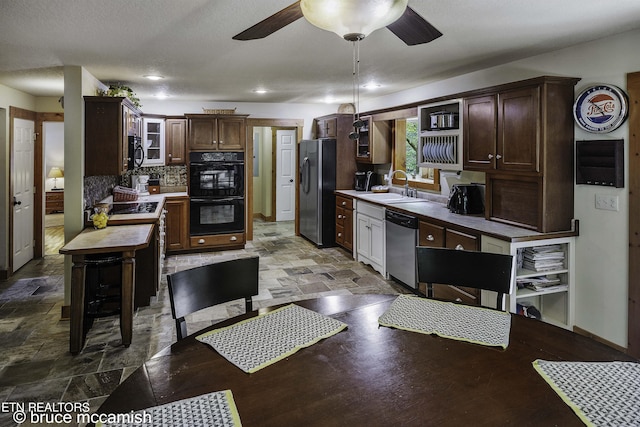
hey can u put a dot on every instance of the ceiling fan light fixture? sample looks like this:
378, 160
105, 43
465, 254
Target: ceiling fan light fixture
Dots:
352, 19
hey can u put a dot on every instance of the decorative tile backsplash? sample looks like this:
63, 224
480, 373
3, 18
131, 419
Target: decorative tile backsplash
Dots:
97, 188
170, 176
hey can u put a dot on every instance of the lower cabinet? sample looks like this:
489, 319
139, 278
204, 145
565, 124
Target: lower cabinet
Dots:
438, 236
218, 241
370, 243
177, 224
544, 281
344, 222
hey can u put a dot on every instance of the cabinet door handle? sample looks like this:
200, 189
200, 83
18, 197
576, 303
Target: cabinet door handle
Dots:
431, 238
490, 156
233, 238
344, 203
498, 156
170, 155
221, 142
201, 242
459, 247
458, 299
339, 234
214, 142
339, 216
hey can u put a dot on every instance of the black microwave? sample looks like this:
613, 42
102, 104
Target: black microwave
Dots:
135, 156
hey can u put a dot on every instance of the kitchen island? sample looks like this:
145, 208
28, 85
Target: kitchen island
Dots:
126, 240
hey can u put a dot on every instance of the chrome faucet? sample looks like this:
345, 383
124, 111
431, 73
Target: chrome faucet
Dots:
406, 180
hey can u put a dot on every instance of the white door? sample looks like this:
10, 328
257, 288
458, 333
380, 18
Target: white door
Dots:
285, 175
22, 179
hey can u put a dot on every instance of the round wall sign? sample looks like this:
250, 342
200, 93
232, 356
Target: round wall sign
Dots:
600, 108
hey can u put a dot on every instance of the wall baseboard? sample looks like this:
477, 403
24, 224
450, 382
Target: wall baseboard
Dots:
594, 337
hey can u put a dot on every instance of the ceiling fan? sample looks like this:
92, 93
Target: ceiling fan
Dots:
403, 21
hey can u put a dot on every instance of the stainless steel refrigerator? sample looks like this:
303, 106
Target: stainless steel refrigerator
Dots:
317, 160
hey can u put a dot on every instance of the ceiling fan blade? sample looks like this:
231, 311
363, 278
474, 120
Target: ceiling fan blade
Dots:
272, 24
413, 29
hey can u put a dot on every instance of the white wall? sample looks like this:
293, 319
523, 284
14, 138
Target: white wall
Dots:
53, 142
601, 251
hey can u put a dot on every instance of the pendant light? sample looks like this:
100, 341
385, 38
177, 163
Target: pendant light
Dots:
352, 18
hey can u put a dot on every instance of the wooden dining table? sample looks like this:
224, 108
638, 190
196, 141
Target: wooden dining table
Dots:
372, 375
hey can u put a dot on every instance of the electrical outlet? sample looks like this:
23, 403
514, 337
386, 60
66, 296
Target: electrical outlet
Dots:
606, 202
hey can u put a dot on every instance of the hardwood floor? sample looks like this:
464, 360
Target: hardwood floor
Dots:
53, 239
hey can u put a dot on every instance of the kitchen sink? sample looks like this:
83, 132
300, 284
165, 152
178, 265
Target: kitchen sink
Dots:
383, 197
389, 198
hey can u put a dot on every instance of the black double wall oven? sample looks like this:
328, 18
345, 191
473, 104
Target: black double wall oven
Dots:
216, 187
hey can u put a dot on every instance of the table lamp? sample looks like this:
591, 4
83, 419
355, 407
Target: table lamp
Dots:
55, 173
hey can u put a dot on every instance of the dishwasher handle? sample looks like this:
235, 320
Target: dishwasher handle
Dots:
401, 219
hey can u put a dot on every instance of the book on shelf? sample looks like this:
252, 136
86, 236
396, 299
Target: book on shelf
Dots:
543, 258
541, 283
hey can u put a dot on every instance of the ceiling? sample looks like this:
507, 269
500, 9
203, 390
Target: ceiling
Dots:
190, 44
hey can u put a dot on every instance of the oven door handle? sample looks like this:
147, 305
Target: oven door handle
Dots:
216, 201
209, 164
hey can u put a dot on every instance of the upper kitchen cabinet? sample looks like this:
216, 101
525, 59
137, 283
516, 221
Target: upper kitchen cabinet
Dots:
327, 127
374, 142
502, 131
175, 138
519, 127
521, 135
216, 132
109, 121
338, 127
153, 142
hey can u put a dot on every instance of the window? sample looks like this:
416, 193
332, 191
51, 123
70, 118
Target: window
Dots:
406, 158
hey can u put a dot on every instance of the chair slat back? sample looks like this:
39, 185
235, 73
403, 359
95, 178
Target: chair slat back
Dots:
208, 285
478, 270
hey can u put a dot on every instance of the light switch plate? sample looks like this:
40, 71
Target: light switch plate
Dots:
607, 202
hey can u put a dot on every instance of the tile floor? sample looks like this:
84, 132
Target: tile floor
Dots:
36, 366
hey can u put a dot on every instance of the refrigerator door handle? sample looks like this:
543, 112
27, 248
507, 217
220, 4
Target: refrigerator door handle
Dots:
305, 175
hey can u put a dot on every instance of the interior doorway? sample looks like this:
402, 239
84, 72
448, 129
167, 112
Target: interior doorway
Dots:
261, 159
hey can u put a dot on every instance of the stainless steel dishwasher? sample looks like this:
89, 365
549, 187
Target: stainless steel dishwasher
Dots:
401, 241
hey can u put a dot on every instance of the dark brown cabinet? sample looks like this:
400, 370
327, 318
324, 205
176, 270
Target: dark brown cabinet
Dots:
438, 236
109, 121
327, 127
175, 141
521, 135
339, 126
54, 201
177, 224
217, 133
374, 142
344, 222
502, 132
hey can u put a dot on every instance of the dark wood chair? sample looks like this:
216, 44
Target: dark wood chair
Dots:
201, 287
478, 270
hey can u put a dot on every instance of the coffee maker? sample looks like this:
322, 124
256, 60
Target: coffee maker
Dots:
363, 181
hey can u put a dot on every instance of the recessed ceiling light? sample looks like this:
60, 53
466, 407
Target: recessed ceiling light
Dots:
372, 86
260, 91
161, 95
153, 77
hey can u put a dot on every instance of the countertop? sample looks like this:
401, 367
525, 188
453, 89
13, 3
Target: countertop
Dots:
109, 239
431, 210
141, 218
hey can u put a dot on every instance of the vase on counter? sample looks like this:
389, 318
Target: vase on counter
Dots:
100, 216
